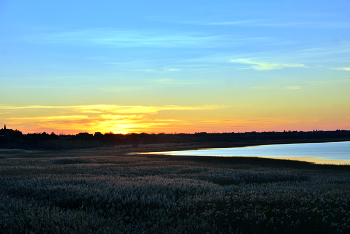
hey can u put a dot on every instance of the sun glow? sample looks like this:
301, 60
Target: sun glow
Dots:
157, 119
115, 126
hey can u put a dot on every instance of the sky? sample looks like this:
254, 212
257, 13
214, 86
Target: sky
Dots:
174, 66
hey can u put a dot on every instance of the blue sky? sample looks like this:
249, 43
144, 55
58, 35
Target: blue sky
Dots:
257, 62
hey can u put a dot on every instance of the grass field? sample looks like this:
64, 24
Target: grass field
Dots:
106, 190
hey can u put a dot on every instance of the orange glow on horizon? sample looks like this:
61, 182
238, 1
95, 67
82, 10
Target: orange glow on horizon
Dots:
162, 119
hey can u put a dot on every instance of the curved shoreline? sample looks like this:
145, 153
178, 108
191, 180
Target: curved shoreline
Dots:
206, 145
302, 158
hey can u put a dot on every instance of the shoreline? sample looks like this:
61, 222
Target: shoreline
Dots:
208, 145
255, 159
139, 151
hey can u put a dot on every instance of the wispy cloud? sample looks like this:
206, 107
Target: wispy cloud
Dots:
168, 81
4, 107
165, 69
301, 20
276, 87
233, 22
169, 69
304, 24
343, 68
104, 108
92, 118
327, 82
260, 66
51, 118
123, 39
142, 109
293, 87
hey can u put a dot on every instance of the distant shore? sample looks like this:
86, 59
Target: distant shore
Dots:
134, 150
206, 145
285, 162
14, 139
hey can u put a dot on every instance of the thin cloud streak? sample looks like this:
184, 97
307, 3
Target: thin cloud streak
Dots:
168, 81
302, 23
275, 87
30, 107
51, 118
124, 39
95, 117
143, 109
321, 53
327, 82
260, 66
316, 25
116, 108
343, 68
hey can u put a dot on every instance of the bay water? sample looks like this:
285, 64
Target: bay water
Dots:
323, 153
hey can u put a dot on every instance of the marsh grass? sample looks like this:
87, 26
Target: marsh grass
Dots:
105, 191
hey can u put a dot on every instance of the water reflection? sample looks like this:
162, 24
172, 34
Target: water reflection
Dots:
322, 153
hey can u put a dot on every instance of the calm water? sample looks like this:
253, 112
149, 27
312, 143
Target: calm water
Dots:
334, 152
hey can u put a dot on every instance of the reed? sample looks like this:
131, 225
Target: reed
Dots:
91, 192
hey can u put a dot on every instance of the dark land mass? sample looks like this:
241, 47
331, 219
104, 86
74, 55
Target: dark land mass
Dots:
43, 141
97, 184
109, 190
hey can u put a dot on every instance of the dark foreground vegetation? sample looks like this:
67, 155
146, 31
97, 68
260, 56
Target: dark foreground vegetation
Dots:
108, 191
14, 139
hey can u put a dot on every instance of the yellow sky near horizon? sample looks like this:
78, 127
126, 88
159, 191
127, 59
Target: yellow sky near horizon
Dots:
157, 119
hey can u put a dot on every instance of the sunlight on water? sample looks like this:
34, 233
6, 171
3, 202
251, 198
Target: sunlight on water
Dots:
322, 153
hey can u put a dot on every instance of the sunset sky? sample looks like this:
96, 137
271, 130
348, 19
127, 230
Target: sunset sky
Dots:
174, 66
